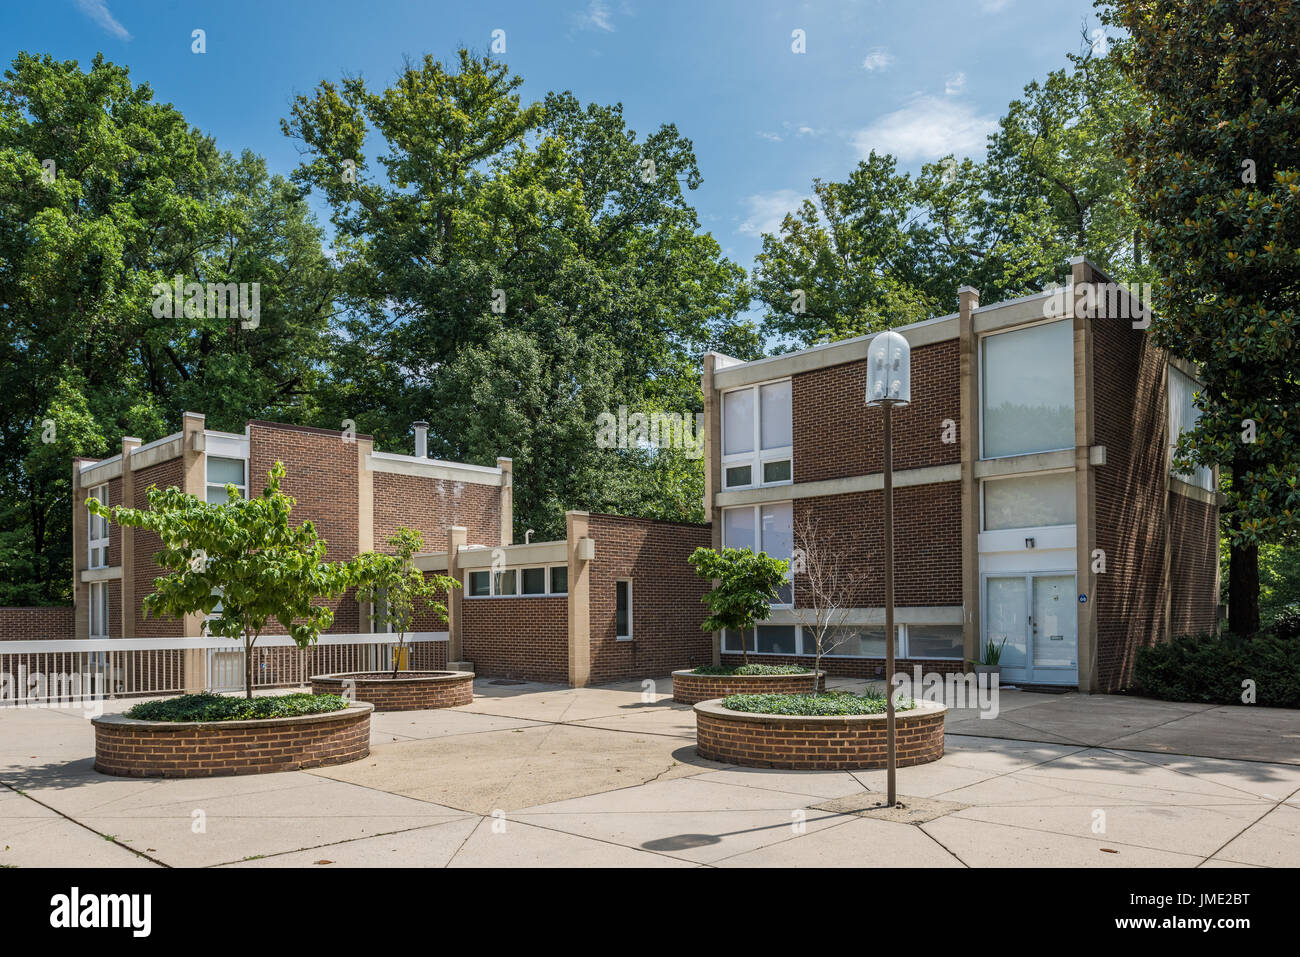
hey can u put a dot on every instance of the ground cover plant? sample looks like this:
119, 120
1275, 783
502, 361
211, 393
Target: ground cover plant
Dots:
214, 707
829, 704
752, 670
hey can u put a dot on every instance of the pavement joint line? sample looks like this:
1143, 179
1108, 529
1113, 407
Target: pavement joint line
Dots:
465, 840
948, 850
585, 837
1081, 837
347, 840
1244, 829
578, 723
107, 837
1156, 787
1122, 752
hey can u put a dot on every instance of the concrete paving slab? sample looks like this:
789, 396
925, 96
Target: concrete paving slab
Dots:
982, 844
517, 844
433, 845
1243, 733
1102, 766
677, 721
58, 842
819, 784
859, 843
1272, 841
1273, 782
926, 780
389, 726
1064, 791
1001, 755
240, 826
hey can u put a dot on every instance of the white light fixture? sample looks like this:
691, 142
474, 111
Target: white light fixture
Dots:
889, 370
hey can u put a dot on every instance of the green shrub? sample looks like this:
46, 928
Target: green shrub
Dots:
214, 707
752, 670
1211, 668
819, 705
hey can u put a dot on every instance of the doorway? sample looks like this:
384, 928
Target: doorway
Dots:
1035, 614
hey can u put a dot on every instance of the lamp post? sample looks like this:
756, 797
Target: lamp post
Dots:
889, 384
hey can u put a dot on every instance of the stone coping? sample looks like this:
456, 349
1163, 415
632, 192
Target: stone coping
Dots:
690, 673
715, 709
349, 712
404, 677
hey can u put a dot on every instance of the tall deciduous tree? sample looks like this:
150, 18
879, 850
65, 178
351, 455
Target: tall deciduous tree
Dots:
1216, 173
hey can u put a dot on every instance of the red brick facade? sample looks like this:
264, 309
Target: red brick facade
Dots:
431, 506
1193, 565
521, 637
36, 624
147, 544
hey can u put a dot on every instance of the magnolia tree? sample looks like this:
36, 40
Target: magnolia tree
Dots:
396, 587
241, 563
746, 585
826, 585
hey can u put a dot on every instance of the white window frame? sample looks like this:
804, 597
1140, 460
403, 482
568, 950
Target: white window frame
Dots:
550, 580
760, 456
209, 485
1013, 532
518, 572
758, 534
100, 601
97, 545
806, 646
984, 337
546, 581
631, 628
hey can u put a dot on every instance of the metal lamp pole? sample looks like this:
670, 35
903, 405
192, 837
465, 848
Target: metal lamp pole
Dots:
889, 383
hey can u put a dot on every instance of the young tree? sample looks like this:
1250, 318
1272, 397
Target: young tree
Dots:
825, 588
241, 559
1216, 172
394, 584
747, 585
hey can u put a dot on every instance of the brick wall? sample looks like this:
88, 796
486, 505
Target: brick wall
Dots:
522, 637
837, 436
114, 531
55, 622
927, 542
148, 544
1193, 565
666, 592
321, 473
431, 506
1131, 421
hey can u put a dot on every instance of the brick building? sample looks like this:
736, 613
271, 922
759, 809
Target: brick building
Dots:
1034, 500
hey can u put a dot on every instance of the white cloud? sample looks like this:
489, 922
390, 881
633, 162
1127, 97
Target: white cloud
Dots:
97, 10
955, 84
994, 6
878, 59
595, 17
927, 128
767, 210
764, 134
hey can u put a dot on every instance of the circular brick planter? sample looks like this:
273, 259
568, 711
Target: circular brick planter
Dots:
409, 691
201, 749
796, 742
689, 688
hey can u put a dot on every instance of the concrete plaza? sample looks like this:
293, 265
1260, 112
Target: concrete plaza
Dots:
542, 775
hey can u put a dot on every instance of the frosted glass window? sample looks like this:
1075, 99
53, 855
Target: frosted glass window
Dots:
934, 641
1032, 501
851, 641
775, 420
1183, 416
738, 528
1027, 377
738, 421
778, 541
223, 472
775, 639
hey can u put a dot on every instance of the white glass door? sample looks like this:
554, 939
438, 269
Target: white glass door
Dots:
1055, 629
1037, 617
1006, 625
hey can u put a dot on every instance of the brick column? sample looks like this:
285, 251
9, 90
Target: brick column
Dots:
576, 526
713, 467
456, 536
194, 463
968, 300
507, 500
1083, 274
127, 541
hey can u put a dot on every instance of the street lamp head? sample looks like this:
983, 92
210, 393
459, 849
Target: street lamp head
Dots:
889, 370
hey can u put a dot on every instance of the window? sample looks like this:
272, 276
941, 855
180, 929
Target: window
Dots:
762, 528
99, 609
1027, 381
480, 584
851, 641
223, 472
1031, 501
97, 530
934, 641
1183, 416
506, 582
534, 581
757, 435
559, 579
623, 609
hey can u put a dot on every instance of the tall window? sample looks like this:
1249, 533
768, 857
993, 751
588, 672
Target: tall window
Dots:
97, 530
762, 528
223, 472
757, 436
1183, 416
623, 609
99, 609
1027, 380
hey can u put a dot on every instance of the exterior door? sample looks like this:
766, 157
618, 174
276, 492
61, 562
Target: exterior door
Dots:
1036, 616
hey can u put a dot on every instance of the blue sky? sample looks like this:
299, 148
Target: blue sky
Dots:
919, 78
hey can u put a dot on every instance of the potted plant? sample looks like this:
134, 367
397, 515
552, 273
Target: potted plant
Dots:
990, 660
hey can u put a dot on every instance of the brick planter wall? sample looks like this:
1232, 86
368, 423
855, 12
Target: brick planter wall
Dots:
816, 744
689, 688
409, 691
197, 749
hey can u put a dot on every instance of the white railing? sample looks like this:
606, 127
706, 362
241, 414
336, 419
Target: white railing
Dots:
74, 669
